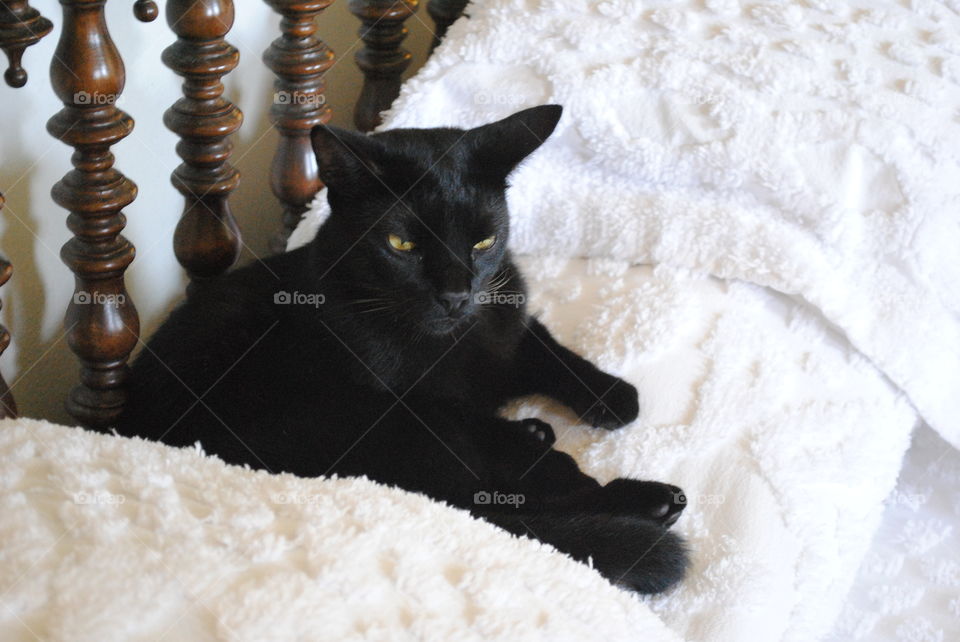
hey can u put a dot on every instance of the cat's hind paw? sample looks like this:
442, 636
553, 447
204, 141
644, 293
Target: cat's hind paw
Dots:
654, 501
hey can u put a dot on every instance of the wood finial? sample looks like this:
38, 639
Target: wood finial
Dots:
20, 27
299, 60
382, 60
8, 407
102, 324
145, 10
207, 239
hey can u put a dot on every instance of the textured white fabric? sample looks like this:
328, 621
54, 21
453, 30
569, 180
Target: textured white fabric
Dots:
809, 147
908, 587
785, 440
106, 538
806, 145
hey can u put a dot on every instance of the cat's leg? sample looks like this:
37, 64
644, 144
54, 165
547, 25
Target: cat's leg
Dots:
523, 460
539, 492
551, 480
542, 492
619, 528
655, 501
543, 366
631, 552
447, 453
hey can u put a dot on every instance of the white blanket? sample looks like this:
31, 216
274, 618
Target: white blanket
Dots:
908, 586
785, 440
106, 538
809, 146
806, 147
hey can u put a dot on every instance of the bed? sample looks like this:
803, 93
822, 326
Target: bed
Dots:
746, 211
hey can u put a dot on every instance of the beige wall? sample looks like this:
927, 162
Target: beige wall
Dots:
39, 364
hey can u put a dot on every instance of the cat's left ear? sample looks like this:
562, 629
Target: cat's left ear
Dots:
346, 160
499, 147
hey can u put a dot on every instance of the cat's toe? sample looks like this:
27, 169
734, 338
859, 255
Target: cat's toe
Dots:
670, 510
539, 430
663, 503
655, 501
616, 407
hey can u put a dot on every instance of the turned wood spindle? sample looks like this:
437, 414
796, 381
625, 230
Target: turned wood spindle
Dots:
20, 26
87, 75
8, 407
444, 13
382, 60
207, 240
299, 60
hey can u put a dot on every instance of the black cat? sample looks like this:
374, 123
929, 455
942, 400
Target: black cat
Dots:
387, 345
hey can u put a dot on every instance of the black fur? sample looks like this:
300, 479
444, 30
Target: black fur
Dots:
393, 364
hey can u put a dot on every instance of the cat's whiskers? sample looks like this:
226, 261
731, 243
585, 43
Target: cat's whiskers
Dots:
381, 308
494, 287
375, 300
373, 303
498, 281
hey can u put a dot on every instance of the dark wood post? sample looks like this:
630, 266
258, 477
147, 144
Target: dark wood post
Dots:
382, 60
102, 324
444, 13
20, 27
299, 60
207, 240
8, 407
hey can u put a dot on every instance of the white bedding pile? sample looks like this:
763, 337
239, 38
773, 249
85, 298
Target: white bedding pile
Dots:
788, 170
908, 586
785, 440
809, 146
106, 538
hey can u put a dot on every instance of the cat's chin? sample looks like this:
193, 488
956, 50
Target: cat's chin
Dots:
446, 325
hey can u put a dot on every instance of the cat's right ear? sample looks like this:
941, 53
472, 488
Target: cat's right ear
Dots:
345, 159
499, 147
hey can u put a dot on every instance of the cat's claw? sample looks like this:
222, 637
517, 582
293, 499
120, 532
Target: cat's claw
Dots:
617, 407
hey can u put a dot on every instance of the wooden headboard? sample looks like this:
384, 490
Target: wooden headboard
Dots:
87, 75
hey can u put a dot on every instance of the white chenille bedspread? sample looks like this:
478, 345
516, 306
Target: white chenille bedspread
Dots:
766, 194
785, 440
805, 146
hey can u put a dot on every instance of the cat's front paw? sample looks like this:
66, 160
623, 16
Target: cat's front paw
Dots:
615, 403
539, 431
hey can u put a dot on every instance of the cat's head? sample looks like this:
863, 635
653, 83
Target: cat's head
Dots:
419, 217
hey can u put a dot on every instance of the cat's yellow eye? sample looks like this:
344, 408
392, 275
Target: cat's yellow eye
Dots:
486, 243
399, 244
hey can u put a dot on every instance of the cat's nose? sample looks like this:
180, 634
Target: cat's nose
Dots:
454, 302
